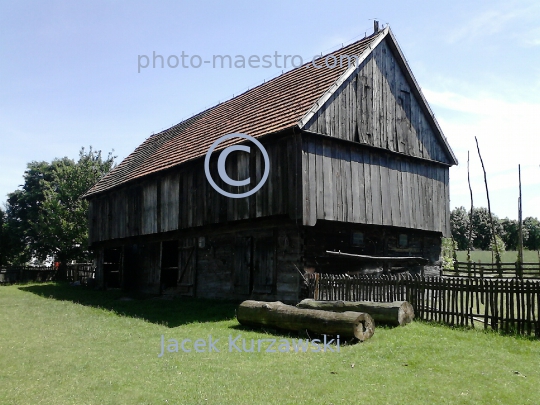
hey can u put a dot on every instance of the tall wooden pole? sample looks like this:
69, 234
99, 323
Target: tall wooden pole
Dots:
497, 254
469, 243
520, 228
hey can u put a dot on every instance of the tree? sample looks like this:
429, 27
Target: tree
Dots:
448, 253
510, 233
532, 241
47, 217
500, 245
482, 228
3, 238
459, 222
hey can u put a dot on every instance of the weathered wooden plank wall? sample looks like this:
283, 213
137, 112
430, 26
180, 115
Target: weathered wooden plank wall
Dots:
350, 183
379, 241
259, 263
377, 107
183, 198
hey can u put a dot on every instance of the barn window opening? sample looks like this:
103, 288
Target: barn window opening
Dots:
357, 239
201, 242
403, 240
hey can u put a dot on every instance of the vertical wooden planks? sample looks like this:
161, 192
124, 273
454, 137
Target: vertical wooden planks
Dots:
169, 202
347, 185
369, 89
391, 103
243, 162
328, 182
387, 191
353, 108
319, 175
295, 177
305, 176
149, 210
358, 191
395, 189
368, 173
406, 197
313, 183
376, 111
376, 189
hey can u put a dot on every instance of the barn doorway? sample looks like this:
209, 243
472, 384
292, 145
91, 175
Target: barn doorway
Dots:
264, 266
188, 265
112, 263
178, 263
169, 265
243, 266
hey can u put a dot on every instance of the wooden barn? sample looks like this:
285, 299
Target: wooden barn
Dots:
358, 182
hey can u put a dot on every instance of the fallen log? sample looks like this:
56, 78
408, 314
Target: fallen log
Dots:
398, 313
287, 317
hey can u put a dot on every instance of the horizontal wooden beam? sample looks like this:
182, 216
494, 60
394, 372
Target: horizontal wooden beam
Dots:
365, 145
378, 258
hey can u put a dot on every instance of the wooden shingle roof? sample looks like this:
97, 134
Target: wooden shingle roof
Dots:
268, 108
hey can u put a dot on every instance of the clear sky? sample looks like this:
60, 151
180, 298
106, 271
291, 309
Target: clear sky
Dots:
69, 74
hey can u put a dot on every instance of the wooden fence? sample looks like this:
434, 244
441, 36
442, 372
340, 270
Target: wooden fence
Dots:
492, 270
511, 305
17, 274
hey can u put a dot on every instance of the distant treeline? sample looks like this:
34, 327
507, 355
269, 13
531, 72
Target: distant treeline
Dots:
506, 229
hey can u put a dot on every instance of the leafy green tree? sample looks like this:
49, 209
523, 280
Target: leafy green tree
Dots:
47, 217
532, 242
448, 253
510, 233
3, 238
500, 245
482, 228
459, 222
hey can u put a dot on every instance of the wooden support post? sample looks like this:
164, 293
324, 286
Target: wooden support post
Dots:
497, 254
520, 230
469, 241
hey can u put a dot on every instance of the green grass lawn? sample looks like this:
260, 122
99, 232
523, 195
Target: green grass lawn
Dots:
68, 345
510, 256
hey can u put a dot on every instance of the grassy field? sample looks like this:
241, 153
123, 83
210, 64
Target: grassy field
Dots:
529, 256
67, 345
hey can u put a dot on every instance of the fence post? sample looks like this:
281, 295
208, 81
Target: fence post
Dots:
316, 289
519, 269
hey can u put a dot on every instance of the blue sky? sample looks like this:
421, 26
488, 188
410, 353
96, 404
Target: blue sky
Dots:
69, 76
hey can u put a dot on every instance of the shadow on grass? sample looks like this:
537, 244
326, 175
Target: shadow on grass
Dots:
167, 312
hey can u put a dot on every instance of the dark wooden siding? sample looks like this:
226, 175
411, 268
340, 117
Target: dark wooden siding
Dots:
378, 241
170, 202
149, 208
183, 198
261, 263
142, 267
377, 107
350, 183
